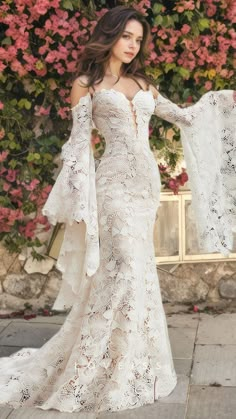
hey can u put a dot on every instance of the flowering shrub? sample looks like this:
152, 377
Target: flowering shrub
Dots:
193, 50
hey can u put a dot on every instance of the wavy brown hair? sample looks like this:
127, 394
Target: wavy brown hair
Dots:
106, 33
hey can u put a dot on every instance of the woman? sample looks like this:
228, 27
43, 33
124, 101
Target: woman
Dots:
113, 351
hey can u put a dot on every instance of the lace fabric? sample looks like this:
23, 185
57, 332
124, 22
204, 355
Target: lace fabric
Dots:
208, 135
113, 351
72, 200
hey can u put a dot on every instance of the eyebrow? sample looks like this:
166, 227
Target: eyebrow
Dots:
131, 33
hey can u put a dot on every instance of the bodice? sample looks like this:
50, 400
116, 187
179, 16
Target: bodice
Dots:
124, 123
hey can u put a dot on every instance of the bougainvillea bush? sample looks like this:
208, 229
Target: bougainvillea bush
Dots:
192, 51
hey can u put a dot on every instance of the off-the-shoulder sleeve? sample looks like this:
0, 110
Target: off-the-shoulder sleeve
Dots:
72, 199
208, 135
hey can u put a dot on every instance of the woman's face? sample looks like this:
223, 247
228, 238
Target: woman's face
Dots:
128, 46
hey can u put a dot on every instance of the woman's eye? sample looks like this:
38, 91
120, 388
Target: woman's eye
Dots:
126, 36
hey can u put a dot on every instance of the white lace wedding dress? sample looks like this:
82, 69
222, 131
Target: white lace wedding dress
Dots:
113, 350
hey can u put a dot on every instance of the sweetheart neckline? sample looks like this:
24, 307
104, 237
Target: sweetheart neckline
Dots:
88, 95
121, 93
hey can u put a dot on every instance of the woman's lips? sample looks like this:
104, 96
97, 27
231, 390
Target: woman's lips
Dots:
129, 54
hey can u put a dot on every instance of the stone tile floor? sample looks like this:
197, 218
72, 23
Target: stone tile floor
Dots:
204, 352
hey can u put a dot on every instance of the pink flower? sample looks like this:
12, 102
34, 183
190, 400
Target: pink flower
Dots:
1, 107
60, 69
40, 110
208, 85
71, 66
22, 43
11, 175
51, 57
224, 73
3, 156
189, 99
162, 168
2, 133
45, 192
33, 184
4, 212
182, 178
184, 5
41, 7
173, 184
64, 112
41, 219
2, 170
63, 92
84, 22
18, 68
30, 229
95, 140
16, 193
185, 29
211, 10
4, 228
2, 67
6, 186
12, 217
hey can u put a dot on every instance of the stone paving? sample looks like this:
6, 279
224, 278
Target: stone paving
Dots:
204, 351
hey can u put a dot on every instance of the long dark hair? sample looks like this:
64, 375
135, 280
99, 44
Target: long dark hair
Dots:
106, 33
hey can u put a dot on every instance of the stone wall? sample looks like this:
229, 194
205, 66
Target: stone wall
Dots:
209, 282
23, 280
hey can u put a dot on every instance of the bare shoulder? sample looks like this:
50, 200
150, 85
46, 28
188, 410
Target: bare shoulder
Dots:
78, 90
154, 91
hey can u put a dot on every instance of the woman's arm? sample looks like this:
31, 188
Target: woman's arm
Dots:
70, 195
208, 137
78, 90
173, 113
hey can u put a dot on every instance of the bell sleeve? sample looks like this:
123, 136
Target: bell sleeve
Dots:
208, 135
73, 199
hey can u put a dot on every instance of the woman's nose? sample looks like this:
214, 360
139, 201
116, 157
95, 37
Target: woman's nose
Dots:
132, 43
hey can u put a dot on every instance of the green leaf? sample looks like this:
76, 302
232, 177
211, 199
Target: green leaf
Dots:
13, 163
186, 94
9, 86
48, 156
203, 24
157, 8
24, 103
175, 18
28, 207
30, 157
7, 41
3, 78
5, 201
13, 102
11, 136
27, 105
158, 20
189, 15
169, 66
184, 72
39, 87
67, 5
12, 145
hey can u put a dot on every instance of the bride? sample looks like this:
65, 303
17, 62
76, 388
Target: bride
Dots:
113, 351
